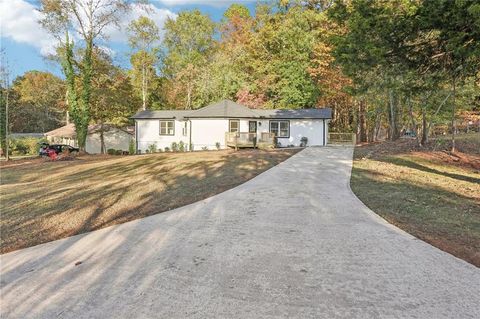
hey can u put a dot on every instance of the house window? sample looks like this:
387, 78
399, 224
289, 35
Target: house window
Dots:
234, 126
280, 128
184, 130
167, 127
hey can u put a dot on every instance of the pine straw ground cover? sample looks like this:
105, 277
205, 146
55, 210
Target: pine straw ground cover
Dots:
429, 192
43, 201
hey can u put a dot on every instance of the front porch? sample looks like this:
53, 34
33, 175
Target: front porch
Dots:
255, 140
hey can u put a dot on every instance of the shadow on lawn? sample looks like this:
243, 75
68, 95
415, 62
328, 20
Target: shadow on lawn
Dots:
100, 276
81, 198
447, 220
423, 168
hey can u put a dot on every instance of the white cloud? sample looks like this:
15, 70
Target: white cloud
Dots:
19, 21
213, 3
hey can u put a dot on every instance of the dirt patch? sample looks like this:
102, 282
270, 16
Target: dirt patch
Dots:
458, 158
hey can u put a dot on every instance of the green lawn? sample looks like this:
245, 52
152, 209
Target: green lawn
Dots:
43, 201
431, 194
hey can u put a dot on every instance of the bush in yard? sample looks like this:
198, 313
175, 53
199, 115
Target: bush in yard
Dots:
303, 141
181, 146
111, 151
20, 147
152, 148
131, 147
218, 145
205, 148
34, 144
167, 149
118, 152
174, 146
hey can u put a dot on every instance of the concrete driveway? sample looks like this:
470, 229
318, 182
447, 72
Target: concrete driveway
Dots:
292, 243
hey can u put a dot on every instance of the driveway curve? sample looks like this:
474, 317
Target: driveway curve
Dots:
294, 242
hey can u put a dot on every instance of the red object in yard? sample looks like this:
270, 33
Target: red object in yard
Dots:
52, 154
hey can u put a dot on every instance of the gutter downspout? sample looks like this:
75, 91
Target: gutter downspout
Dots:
190, 135
324, 132
136, 137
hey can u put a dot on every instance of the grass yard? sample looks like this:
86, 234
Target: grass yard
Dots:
430, 193
44, 201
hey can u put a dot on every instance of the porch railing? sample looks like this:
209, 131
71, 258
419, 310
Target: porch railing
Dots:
341, 138
244, 139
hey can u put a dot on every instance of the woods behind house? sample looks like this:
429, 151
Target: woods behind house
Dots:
387, 68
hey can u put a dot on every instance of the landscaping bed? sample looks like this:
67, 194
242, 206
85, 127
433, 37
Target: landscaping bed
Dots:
429, 192
44, 201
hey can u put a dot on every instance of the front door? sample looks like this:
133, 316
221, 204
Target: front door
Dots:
252, 126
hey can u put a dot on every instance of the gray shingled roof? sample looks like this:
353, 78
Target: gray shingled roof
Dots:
324, 113
68, 131
166, 114
230, 109
223, 109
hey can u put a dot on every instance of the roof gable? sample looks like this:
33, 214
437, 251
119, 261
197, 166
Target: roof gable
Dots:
223, 109
229, 109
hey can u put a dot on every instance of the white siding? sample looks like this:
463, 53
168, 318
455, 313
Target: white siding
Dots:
207, 132
114, 138
148, 133
312, 129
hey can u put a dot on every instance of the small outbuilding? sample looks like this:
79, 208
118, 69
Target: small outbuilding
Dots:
114, 137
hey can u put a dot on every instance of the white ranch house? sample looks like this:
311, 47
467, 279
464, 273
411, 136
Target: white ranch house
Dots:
227, 123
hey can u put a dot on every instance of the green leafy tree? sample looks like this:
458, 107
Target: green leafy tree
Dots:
455, 44
143, 34
113, 98
188, 43
88, 18
42, 94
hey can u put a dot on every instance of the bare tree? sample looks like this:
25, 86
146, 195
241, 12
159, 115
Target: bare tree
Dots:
4, 104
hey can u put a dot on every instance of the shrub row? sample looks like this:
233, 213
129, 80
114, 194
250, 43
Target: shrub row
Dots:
177, 147
24, 146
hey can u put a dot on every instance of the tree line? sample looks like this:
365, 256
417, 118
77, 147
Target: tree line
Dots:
382, 66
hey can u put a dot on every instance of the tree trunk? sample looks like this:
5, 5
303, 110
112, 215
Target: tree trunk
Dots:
454, 124
83, 117
436, 112
393, 123
424, 127
189, 96
144, 88
7, 138
102, 139
362, 123
412, 119
378, 122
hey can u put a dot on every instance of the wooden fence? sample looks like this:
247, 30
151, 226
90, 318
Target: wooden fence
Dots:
342, 138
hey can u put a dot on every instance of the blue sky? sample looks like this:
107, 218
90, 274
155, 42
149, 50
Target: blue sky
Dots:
25, 43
